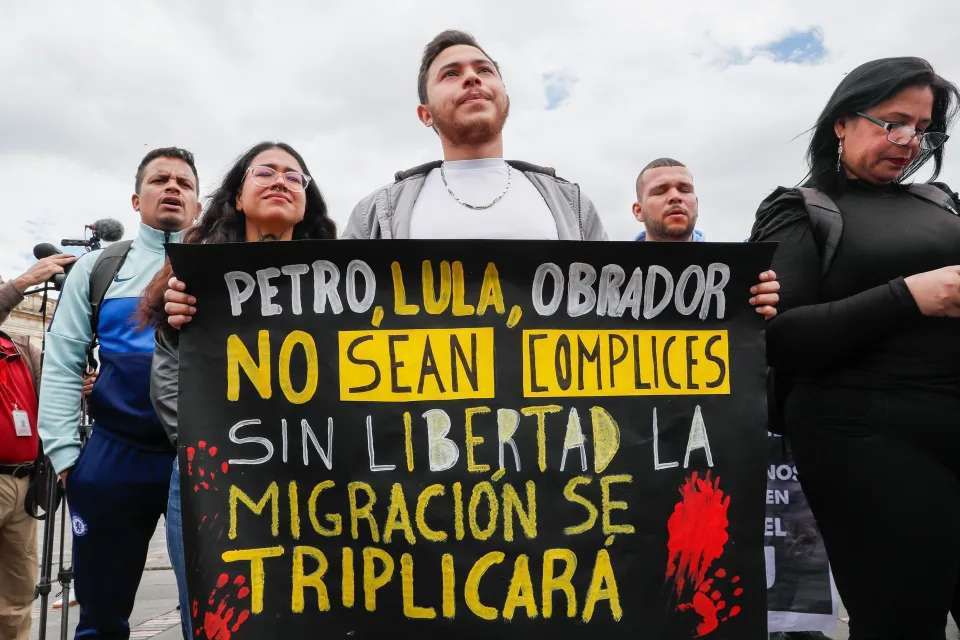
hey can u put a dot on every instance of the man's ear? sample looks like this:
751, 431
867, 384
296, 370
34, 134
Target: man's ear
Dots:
638, 211
135, 201
423, 114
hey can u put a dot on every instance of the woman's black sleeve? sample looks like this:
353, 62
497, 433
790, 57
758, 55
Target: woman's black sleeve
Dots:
809, 335
165, 380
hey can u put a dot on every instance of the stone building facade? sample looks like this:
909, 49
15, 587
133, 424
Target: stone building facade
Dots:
27, 318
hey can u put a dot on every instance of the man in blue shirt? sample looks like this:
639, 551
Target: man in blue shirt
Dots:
117, 484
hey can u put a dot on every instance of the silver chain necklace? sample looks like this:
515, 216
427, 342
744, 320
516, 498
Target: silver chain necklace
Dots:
475, 207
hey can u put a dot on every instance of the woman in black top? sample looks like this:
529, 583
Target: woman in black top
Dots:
866, 348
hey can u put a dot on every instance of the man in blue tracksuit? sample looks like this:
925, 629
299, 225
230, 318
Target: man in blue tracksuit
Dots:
117, 484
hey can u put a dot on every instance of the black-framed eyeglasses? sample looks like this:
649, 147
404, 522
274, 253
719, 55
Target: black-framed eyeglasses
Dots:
902, 134
265, 176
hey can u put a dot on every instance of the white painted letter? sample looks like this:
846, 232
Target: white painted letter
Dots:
370, 455
263, 442
573, 439
698, 439
306, 432
443, 451
657, 465
539, 279
326, 277
238, 296
369, 286
507, 422
718, 275
268, 291
581, 297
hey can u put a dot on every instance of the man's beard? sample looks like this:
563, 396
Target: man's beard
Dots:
660, 231
173, 223
473, 131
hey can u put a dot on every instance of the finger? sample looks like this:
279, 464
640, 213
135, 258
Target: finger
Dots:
767, 311
765, 287
768, 275
178, 322
177, 309
765, 299
769, 286
178, 297
176, 284
61, 258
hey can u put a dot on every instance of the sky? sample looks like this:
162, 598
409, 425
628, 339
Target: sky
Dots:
597, 90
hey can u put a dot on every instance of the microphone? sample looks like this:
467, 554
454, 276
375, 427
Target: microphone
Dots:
107, 229
45, 250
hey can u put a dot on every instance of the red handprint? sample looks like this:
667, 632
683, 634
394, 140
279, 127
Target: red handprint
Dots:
203, 466
221, 623
710, 605
202, 470
211, 525
698, 534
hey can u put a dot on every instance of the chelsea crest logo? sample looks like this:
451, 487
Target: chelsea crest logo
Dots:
79, 526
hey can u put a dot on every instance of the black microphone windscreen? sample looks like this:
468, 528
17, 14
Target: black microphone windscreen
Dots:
44, 250
108, 229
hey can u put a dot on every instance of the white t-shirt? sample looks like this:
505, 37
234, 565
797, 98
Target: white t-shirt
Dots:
521, 214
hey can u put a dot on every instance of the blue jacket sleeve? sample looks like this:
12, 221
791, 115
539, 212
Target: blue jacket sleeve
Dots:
64, 361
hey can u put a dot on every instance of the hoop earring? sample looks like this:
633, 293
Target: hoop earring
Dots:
839, 156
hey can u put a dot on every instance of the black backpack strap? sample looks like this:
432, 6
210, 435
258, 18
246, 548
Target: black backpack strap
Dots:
529, 167
419, 169
826, 222
933, 194
105, 269
426, 168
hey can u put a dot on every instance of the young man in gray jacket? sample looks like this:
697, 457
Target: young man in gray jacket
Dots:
472, 192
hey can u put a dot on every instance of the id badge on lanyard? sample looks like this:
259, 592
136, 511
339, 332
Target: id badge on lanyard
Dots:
21, 422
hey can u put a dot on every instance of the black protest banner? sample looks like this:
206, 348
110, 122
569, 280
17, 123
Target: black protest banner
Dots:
800, 593
482, 438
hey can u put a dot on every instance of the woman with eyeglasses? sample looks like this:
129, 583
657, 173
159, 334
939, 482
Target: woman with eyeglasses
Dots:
866, 347
267, 195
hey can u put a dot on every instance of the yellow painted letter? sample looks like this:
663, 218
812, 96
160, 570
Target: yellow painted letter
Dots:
471, 588
314, 580
373, 580
271, 495
603, 586
257, 574
238, 357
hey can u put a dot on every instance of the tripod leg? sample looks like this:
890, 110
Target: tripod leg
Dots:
64, 576
46, 562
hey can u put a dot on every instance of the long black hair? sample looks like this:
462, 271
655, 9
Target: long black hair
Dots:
866, 86
221, 222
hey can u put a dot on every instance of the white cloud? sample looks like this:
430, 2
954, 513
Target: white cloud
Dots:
88, 88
